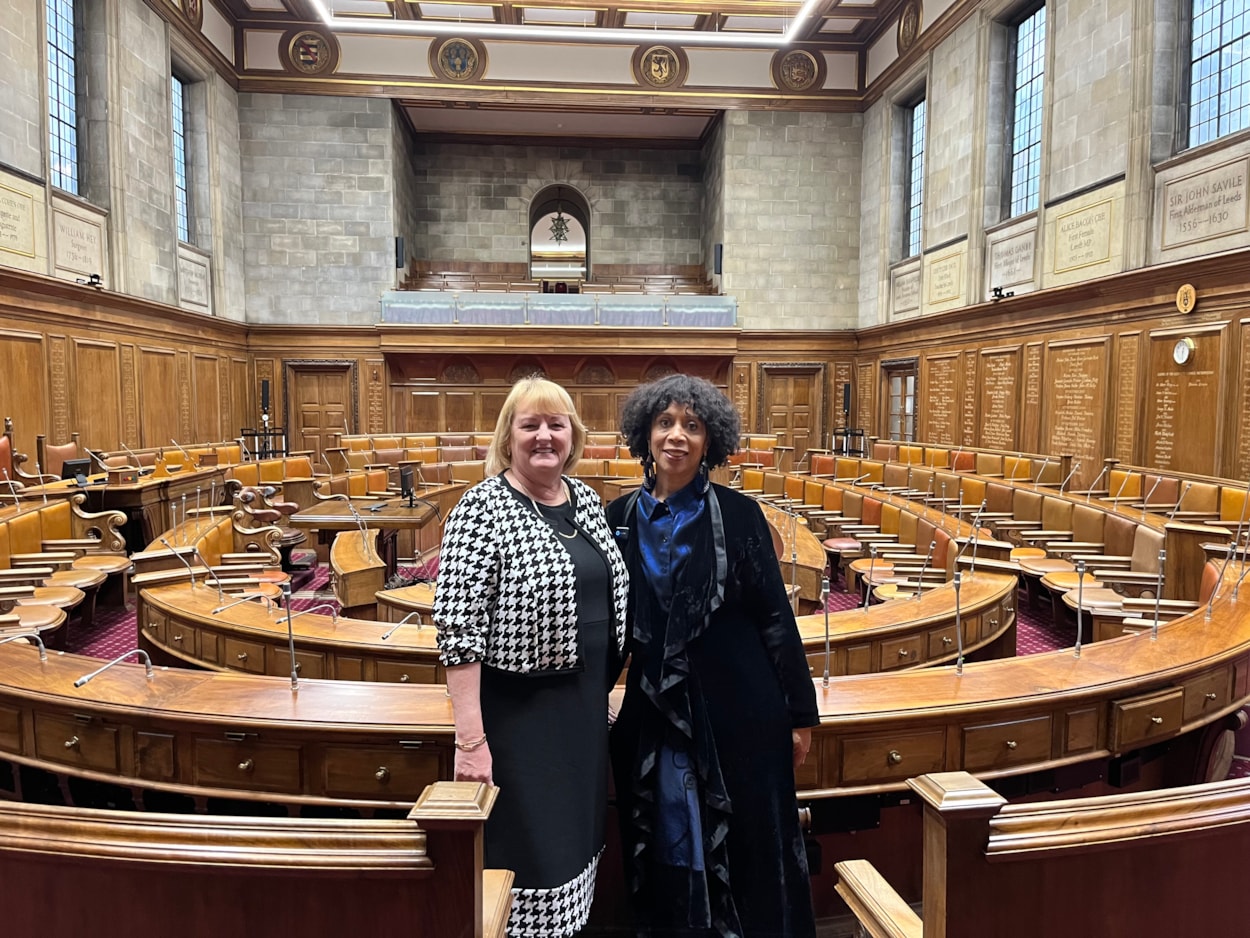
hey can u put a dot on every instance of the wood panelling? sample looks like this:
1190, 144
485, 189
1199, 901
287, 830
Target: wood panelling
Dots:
999, 399
1182, 401
158, 376
1075, 402
240, 405
1127, 401
96, 401
939, 376
23, 394
1242, 465
206, 416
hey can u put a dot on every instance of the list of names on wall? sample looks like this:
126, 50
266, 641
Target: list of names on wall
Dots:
1167, 391
1183, 405
999, 380
1031, 424
942, 401
1206, 205
865, 396
1243, 443
1083, 237
17, 222
1076, 379
1126, 403
970, 399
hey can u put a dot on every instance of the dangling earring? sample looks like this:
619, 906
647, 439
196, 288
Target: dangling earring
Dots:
648, 471
704, 476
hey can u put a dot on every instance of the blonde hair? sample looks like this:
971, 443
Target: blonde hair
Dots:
536, 395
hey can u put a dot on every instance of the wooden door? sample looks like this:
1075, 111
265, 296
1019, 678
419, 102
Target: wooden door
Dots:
793, 404
320, 406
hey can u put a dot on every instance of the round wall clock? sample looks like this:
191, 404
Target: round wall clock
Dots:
1183, 351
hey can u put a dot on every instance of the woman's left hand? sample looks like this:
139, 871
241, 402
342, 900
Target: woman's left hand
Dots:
802, 742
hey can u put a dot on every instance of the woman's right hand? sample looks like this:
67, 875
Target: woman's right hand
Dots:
474, 766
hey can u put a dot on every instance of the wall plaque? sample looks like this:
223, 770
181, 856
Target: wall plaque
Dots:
659, 66
77, 244
1078, 392
17, 222
309, 52
1083, 237
1011, 259
969, 417
1000, 392
945, 277
1209, 204
906, 292
458, 59
1127, 402
1031, 426
940, 412
797, 70
1182, 404
908, 25
1242, 468
192, 281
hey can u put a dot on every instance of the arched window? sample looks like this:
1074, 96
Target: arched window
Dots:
559, 236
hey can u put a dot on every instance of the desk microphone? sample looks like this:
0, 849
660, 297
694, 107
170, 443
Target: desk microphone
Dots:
1115, 499
1177, 506
189, 457
1068, 478
138, 466
1146, 501
1090, 491
1038, 478
12, 486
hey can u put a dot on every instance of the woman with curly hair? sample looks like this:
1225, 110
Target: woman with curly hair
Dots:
719, 702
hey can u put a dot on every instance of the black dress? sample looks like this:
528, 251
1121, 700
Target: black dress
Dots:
550, 760
718, 683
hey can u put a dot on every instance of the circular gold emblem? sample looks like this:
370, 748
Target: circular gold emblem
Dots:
309, 52
459, 59
193, 10
1186, 298
797, 70
908, 25
659, 67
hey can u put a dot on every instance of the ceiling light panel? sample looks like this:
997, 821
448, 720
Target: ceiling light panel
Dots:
839, 24
756, 24
565, 16
461, 12
649, 20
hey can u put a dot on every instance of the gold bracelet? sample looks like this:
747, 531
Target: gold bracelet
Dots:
471, 744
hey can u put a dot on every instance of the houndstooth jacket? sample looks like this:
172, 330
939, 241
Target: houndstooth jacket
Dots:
506, 593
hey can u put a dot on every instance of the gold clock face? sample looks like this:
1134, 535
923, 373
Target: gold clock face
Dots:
1183, 351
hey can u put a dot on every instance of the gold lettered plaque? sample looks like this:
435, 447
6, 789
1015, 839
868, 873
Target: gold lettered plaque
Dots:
459, 60
798, 70
309, 52
908, 25
659, 66
1186, 298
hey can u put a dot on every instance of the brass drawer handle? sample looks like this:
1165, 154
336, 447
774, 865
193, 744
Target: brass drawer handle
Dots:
1156, 720
404, 678
242, 656
382, 774
946, 639
902, 652
71, 743
299, 666
247, 765
178, 638
993, 622
895, 757
1211, 696
1011, 744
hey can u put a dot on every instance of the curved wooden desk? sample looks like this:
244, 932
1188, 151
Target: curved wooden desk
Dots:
176, 623
802, 558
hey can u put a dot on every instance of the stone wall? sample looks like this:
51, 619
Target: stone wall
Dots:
226, 200
408, 218
22, 104
318, 211
792, 218
645, 205
713, 197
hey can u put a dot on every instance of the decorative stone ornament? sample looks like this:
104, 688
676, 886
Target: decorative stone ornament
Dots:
798, 70
309, 52
909, 19
193, 10
659, 66
459, 60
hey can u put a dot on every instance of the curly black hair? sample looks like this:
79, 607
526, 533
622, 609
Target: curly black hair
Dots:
646, 402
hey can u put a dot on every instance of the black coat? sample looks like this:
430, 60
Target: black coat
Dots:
725, 679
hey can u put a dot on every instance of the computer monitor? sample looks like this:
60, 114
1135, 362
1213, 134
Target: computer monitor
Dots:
406, 489
76, 469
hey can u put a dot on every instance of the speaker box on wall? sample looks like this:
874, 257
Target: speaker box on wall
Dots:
718, 258
264, 395
846, 398
399, 253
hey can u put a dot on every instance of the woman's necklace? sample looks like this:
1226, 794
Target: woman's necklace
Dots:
555, 525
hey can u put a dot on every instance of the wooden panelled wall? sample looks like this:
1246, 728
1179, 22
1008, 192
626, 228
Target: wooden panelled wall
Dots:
1086, 370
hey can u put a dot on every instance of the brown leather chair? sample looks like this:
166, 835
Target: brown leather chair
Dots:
52, 456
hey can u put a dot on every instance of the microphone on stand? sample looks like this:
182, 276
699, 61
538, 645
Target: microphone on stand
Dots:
12, 486
99, 460
1075, 466
872, 550
1146, 501
924, 569
138, 466
1016, 466
824, 603
1115, 499
290, 636
190, 459
1090, 491
39, 473
183, 561
1038, 478
195, 552
1177, 506
959, 628
973, 538
387, 634
147, 664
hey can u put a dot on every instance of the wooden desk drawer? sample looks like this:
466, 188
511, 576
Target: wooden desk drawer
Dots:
870, 759
309, 664
999, 745
86, 744
180, 638
397, 772
154, 625
1207, 693
943, 641
1136, 721
248, 763
243, 655
406, 672
902, 652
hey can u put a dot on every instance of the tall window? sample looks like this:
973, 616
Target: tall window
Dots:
915, 179
62, 95
182, 169
1028, 50
1219, 69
